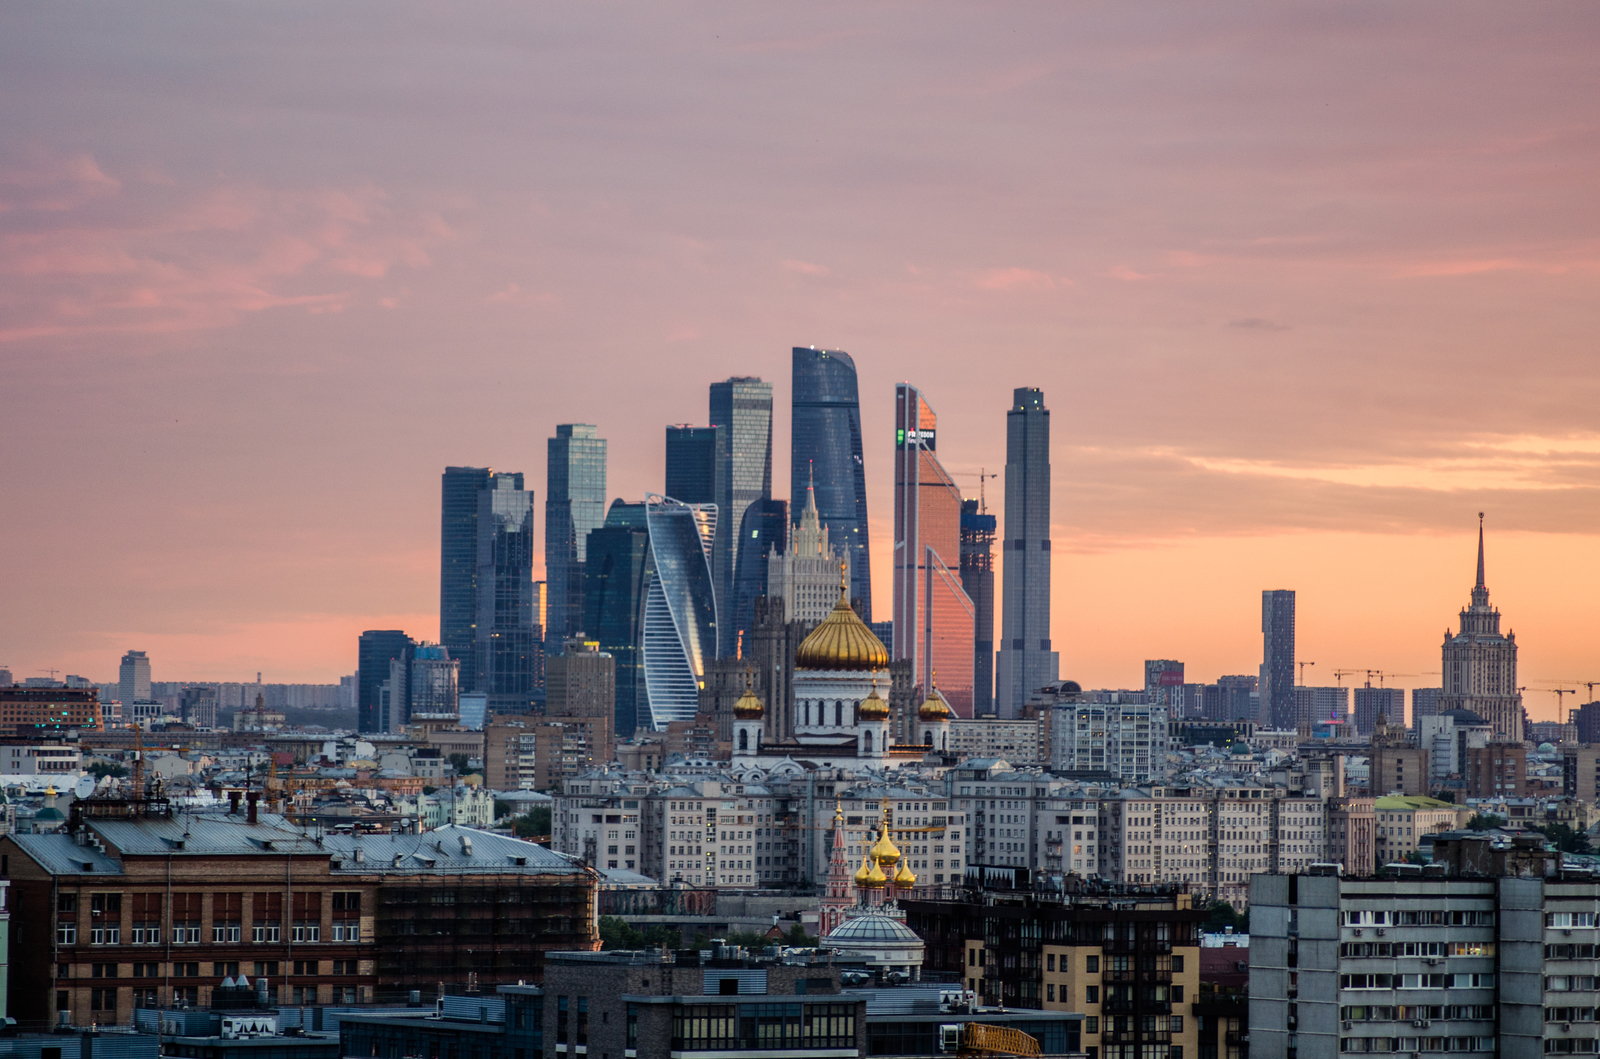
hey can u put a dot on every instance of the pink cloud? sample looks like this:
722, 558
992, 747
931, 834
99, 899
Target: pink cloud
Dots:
805, 268
1017, 279
1123, 272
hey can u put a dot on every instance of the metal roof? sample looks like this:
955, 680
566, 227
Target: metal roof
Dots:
443, 850
209, 834
60, 855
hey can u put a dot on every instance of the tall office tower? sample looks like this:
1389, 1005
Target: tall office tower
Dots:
742, 407
1320, 706
134, 677
763, 533
435, 683
977, 580
574, 504
1026, 662
694, 463
613, 602
679, 633
825, 445
1372, 704
1480, 665
508, 654
1277, 659
806, 576
378, 648
458, 566
1424, 703
1163, 683
934, 619
583, 689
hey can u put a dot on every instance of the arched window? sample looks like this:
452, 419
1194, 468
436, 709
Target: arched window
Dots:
866, 742
927, 737
744, 739
838, 714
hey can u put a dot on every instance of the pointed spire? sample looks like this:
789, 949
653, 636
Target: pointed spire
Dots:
1480, 550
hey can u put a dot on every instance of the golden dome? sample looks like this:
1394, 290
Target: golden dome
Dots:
933, 708
876, 878
874, 708
903, 877
864, 872
842, 641
748, 708
885, 851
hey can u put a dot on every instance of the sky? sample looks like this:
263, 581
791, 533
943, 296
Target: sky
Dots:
1306, 286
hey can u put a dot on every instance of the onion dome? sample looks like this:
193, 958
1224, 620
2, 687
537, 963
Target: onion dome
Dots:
884, 851
933, 708
876, 879
864, 872
842, 641
903, 878
748, 708
873, 708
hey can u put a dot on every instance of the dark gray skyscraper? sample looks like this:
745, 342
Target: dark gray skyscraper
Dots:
1026, 661
694, 461
378, 649
1277, 659
508, 654
825, 448
574, 504
458, 567
977, 579
742, 409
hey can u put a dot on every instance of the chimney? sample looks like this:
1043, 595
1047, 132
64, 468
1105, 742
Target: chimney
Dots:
233, 803
253, 797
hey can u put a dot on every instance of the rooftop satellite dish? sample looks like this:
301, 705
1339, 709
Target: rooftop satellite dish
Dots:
84, 788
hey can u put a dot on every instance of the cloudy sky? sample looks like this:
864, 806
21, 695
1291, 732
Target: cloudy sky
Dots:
1306, 287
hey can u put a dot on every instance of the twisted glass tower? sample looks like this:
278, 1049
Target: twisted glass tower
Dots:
679, 634
825, 448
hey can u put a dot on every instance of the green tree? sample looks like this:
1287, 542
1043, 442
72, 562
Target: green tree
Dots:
460, 763
797, 938
101, 769
534, 824
1566, 839
1485, 822
1445, 796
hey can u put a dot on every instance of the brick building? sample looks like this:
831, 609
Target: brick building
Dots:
32, 711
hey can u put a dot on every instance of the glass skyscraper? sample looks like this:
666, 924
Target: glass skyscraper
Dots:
764, 531
613, 602
679, 633
934, 619
574, 504
742, 408
1277, 659
694, 462
377, 650
508, 653
458, 566
1026, 660
825, 447
977, 579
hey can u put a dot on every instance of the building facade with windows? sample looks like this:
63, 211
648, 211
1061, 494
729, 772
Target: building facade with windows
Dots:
574, 505
826, 449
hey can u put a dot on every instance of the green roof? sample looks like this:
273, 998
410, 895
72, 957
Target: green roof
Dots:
1389, 802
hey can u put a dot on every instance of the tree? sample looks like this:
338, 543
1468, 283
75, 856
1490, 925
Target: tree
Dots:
101, 769
533, 824
1445, 796
618, 933
1223, 916
797, 938
1566, 839
1485, 822
460, 763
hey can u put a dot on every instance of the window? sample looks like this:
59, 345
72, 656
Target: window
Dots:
105, 935
66, 934
1050, 992
1091, 1024
1091, 964
1177, 1024
1091, 994
225, 970
102, 1000
1177, 965
1569, 920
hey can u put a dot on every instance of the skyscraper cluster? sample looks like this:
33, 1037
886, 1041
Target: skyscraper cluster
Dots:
671, 583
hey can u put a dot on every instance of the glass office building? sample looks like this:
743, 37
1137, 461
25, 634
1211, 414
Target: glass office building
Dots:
458, 566
763, 531
977, 579
377, 649
574, 504
1026, 660
694, 456
934, 619
742, 408
613, 602
679, 633
826, 443
508, 652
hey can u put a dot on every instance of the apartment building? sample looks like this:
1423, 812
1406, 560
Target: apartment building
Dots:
1130, 961
1129, 740
1025, 817
1021, 742
1401, 823
1488, 951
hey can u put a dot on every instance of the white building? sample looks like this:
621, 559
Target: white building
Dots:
806, 577
1128, 740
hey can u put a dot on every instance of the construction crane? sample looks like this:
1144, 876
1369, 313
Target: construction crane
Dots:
1561, 694
977, 1038
1302, 666
1340, 674
138, 760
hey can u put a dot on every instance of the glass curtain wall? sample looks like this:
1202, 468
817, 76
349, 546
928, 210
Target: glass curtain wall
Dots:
826, 443
679, 633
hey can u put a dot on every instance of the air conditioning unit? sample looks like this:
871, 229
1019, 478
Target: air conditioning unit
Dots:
1433, 963
1349, 1025
1357, 932
1568, 932
1381, 932
1566, 1027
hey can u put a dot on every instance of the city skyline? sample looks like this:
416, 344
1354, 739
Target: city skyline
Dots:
1309, 324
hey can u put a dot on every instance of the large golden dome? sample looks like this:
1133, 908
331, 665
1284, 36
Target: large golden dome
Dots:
884, 851
904, 878
876, 878
842, 641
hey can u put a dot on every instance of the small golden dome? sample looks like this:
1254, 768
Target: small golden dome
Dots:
903, 877
933, 708
874, 708
748, 708
864, 872
885, 851
842, 641
876, 878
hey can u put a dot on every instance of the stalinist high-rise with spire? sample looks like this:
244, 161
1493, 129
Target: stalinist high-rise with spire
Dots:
1480, 664
806, 575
